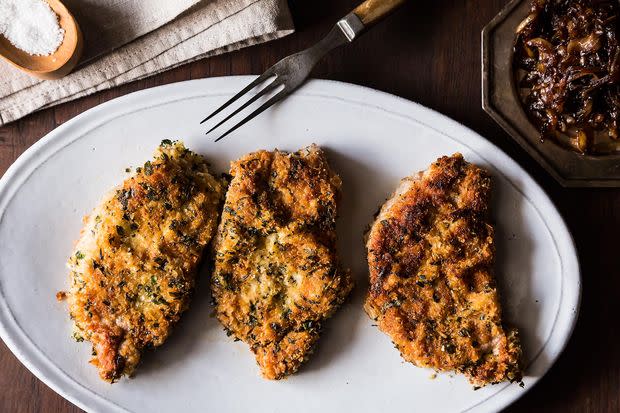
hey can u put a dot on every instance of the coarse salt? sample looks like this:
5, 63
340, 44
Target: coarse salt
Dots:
31, 25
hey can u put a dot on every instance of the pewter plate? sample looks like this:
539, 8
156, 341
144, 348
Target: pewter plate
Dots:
500, 100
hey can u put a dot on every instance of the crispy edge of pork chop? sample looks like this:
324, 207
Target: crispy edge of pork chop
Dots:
432, 290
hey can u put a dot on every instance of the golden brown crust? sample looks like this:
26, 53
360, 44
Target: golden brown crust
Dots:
432, 290
133, 269
277, 276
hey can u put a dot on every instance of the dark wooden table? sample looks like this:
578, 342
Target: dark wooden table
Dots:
428, 52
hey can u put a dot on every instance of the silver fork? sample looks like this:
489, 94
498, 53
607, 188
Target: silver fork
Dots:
289, 73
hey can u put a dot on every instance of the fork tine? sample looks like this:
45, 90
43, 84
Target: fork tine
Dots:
257, 112
243, 91
271, 86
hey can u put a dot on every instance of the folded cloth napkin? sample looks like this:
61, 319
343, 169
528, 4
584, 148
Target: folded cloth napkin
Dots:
126, 40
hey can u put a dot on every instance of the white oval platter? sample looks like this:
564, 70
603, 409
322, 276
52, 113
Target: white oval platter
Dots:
372, 139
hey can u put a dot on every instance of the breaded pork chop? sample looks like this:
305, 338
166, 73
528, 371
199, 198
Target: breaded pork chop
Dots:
133, 269
432, 289
277, 276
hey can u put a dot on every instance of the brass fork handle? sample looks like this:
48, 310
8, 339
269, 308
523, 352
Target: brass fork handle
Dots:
371, 11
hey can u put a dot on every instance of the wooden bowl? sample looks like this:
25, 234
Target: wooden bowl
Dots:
59, 63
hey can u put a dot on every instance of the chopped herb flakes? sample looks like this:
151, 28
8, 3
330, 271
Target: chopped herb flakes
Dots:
148, 168
138, 270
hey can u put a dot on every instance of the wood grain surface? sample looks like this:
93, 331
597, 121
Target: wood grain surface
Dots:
428, 52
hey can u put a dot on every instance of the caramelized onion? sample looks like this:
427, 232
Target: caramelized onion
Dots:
531, 18
568, 57
589, 44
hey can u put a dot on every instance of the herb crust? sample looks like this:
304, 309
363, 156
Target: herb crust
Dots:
132, 271
432, 289
277, 275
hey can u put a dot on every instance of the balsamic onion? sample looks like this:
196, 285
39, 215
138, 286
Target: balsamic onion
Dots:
567, 58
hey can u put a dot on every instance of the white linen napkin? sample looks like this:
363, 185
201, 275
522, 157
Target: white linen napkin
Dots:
127, 40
